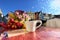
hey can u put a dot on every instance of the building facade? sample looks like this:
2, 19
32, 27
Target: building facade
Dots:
31, 14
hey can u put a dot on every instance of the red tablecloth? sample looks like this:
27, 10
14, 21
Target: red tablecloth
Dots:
40, 34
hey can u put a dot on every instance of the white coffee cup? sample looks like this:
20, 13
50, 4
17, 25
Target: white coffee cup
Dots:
31, 25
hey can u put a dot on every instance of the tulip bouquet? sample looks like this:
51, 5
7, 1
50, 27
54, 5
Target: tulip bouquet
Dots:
16, 20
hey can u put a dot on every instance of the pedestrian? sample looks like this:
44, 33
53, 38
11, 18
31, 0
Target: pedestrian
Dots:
5, 36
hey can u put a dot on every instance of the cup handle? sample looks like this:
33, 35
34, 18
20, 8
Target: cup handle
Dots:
38, 23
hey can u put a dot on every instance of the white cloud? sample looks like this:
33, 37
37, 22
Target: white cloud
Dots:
55, 6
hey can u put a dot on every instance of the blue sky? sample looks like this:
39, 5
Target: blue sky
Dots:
48, 6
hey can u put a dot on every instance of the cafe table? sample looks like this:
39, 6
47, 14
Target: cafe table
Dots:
42, 33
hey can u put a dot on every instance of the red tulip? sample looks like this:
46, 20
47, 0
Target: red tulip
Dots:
12, 20
8, 26
3, 25
19, 24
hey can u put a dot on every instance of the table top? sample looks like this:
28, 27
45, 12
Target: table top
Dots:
42, 33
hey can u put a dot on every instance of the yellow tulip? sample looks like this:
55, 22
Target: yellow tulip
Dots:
16, 20
11, 15
24, 26
13, 26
